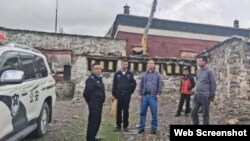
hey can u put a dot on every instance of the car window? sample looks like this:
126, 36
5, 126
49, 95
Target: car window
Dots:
42, 69
9, 62
28, 66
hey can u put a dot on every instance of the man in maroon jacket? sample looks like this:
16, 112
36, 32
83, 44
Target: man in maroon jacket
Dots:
187, 84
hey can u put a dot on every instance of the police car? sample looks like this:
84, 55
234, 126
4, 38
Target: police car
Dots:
27, 92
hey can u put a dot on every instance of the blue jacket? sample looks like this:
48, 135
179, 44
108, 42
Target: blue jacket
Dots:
156, 83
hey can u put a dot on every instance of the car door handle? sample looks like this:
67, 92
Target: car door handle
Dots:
24, 94
43, 88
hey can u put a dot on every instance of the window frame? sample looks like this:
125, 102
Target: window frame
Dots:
34, 65
20, 65
2, 59
5, 53
38, 69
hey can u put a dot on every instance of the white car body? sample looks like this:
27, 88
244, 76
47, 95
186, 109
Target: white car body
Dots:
21, 104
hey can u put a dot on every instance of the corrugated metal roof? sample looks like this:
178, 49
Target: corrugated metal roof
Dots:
137, 21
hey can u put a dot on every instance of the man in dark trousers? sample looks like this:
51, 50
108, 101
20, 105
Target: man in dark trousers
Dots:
187, 84
124, 85
205, 91
94, 95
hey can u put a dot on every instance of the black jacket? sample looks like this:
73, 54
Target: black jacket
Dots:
94, 91
123, 83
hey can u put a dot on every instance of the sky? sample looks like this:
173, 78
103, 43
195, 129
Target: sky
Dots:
95, 17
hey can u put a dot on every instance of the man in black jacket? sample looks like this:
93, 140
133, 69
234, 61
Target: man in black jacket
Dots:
123, 87
94, 94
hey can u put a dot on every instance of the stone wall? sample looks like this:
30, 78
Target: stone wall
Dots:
81, 47
230, 61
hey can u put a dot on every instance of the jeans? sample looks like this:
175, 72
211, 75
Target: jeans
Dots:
203, 102
151, 101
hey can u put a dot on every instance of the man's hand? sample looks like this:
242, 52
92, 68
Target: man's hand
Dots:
140, 97
158, 97
113, 98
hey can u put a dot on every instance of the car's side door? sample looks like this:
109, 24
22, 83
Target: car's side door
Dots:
32, 88
42, 73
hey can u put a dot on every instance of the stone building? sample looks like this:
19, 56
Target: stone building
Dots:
75, 52
70, 58
230, 61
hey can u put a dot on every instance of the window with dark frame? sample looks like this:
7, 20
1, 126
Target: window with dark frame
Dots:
10, 63
28, 66
67, 72
42, 69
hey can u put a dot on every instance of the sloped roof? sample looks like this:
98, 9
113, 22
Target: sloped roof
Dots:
138, 21
230, 40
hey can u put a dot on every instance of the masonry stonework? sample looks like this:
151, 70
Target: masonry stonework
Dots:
81, 47
85, 47
230, 61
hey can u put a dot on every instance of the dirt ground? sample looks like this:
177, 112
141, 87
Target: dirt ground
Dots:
67, 113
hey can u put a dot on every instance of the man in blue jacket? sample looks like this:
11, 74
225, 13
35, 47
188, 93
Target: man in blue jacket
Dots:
149, 91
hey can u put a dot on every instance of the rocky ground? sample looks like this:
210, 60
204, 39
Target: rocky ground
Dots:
69, 121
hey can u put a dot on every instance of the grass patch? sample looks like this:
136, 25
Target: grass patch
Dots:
107, 133
78, 128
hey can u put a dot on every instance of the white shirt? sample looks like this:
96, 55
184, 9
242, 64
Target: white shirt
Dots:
124, 72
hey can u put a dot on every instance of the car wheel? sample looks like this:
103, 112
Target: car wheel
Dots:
43, 120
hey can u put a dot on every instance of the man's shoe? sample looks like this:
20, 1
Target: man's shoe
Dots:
125, 129
189, 110
153, 131
117, 129
141, 131
97, 139
177, 115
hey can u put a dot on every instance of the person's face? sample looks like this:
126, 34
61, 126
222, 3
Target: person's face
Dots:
97, 70
151, 65
124, 65
185, 72
201, 63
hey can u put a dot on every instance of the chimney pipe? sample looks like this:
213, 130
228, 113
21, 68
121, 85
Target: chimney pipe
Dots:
126, 9
236, 24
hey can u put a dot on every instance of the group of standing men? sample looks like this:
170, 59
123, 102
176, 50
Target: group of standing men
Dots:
204, 92
150, 89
